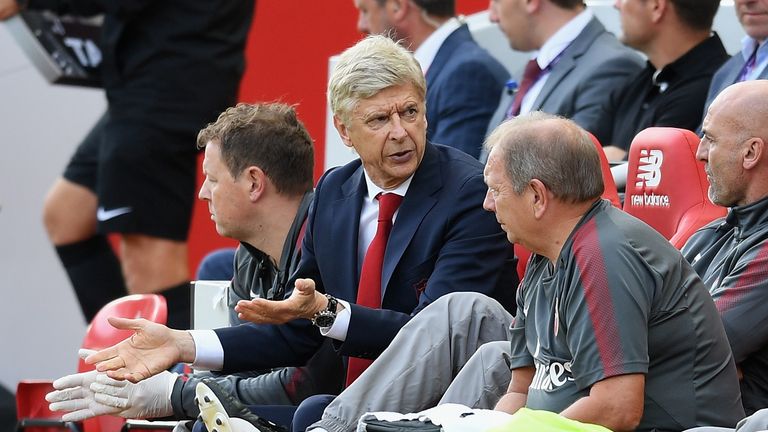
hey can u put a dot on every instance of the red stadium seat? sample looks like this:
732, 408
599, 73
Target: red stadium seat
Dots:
31, 407
667, 186
610, 193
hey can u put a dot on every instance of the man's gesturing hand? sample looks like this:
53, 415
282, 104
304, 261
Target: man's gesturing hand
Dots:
151, 349
304, 302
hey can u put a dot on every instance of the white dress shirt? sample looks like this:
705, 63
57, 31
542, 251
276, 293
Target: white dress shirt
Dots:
761, 60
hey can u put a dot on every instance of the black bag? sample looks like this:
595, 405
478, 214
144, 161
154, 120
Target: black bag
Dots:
374, 425
64, 49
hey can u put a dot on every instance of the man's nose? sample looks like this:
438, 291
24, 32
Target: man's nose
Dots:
397, 132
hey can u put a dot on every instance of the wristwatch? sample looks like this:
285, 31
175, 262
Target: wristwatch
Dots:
327, 316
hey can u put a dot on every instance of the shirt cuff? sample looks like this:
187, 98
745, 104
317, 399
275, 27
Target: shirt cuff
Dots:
209, 354
340, 325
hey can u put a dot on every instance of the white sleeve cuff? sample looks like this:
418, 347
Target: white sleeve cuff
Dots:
340, 326
209, 354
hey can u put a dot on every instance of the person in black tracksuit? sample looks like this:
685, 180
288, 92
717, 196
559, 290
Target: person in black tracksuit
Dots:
168, 68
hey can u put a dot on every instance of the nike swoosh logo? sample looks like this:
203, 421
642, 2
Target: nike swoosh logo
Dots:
103, 214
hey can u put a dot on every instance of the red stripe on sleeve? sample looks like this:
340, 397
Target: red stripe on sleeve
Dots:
590, 260
754, 274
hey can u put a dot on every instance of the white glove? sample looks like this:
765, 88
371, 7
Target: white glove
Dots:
73, 394
149, 398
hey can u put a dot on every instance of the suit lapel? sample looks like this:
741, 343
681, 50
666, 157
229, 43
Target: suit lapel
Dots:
346, 213
567, 61
416, 204
733, 74
501, 111
445, 52
763, 74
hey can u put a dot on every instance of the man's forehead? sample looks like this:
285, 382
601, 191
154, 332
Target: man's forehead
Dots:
389, 105
720, 116
491, 170
387, 100
212, 151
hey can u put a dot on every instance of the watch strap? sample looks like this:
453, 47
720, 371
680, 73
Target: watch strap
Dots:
329, 311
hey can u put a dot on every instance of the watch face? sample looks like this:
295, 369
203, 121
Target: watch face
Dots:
325, 320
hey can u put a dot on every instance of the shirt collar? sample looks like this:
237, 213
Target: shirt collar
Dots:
559, 41
374, 190
748, 47
426, 52
691, 61
749, 218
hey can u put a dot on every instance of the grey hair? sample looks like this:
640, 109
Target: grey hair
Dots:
552, 149
370, 66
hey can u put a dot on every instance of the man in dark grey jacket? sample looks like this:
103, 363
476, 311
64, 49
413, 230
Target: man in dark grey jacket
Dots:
576, 64
731, 254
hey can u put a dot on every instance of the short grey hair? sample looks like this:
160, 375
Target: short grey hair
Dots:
370, 66
552, 149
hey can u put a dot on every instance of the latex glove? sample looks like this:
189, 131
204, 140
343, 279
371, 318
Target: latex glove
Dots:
150, 398
73, 394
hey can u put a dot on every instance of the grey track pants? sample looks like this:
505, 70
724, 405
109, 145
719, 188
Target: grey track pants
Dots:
455, 350
754, 423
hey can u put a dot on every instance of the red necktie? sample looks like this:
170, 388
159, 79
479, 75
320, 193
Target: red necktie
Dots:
531, 74
369, 289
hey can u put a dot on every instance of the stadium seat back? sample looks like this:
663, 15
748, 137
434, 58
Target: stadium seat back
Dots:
667, 186
31, 407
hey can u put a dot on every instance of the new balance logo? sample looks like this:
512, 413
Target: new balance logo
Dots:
649, 176
649, 168
103, 214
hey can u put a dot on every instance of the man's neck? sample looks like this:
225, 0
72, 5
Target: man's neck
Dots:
564, 219
550, 20
757, 189
276, 221
421, 29
672, 45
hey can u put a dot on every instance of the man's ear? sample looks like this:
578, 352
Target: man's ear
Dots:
753, 152
539, 197
532, 6
658, 9
398, 9
256, 182
343, 131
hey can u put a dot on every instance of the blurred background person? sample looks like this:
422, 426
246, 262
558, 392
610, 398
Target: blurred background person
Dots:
168, 68
683, 53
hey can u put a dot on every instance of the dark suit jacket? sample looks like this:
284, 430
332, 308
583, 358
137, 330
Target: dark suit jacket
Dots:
463, 87
592, 68
442, 241
727, 75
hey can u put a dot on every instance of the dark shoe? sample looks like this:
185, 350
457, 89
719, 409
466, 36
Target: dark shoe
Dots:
221, 412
